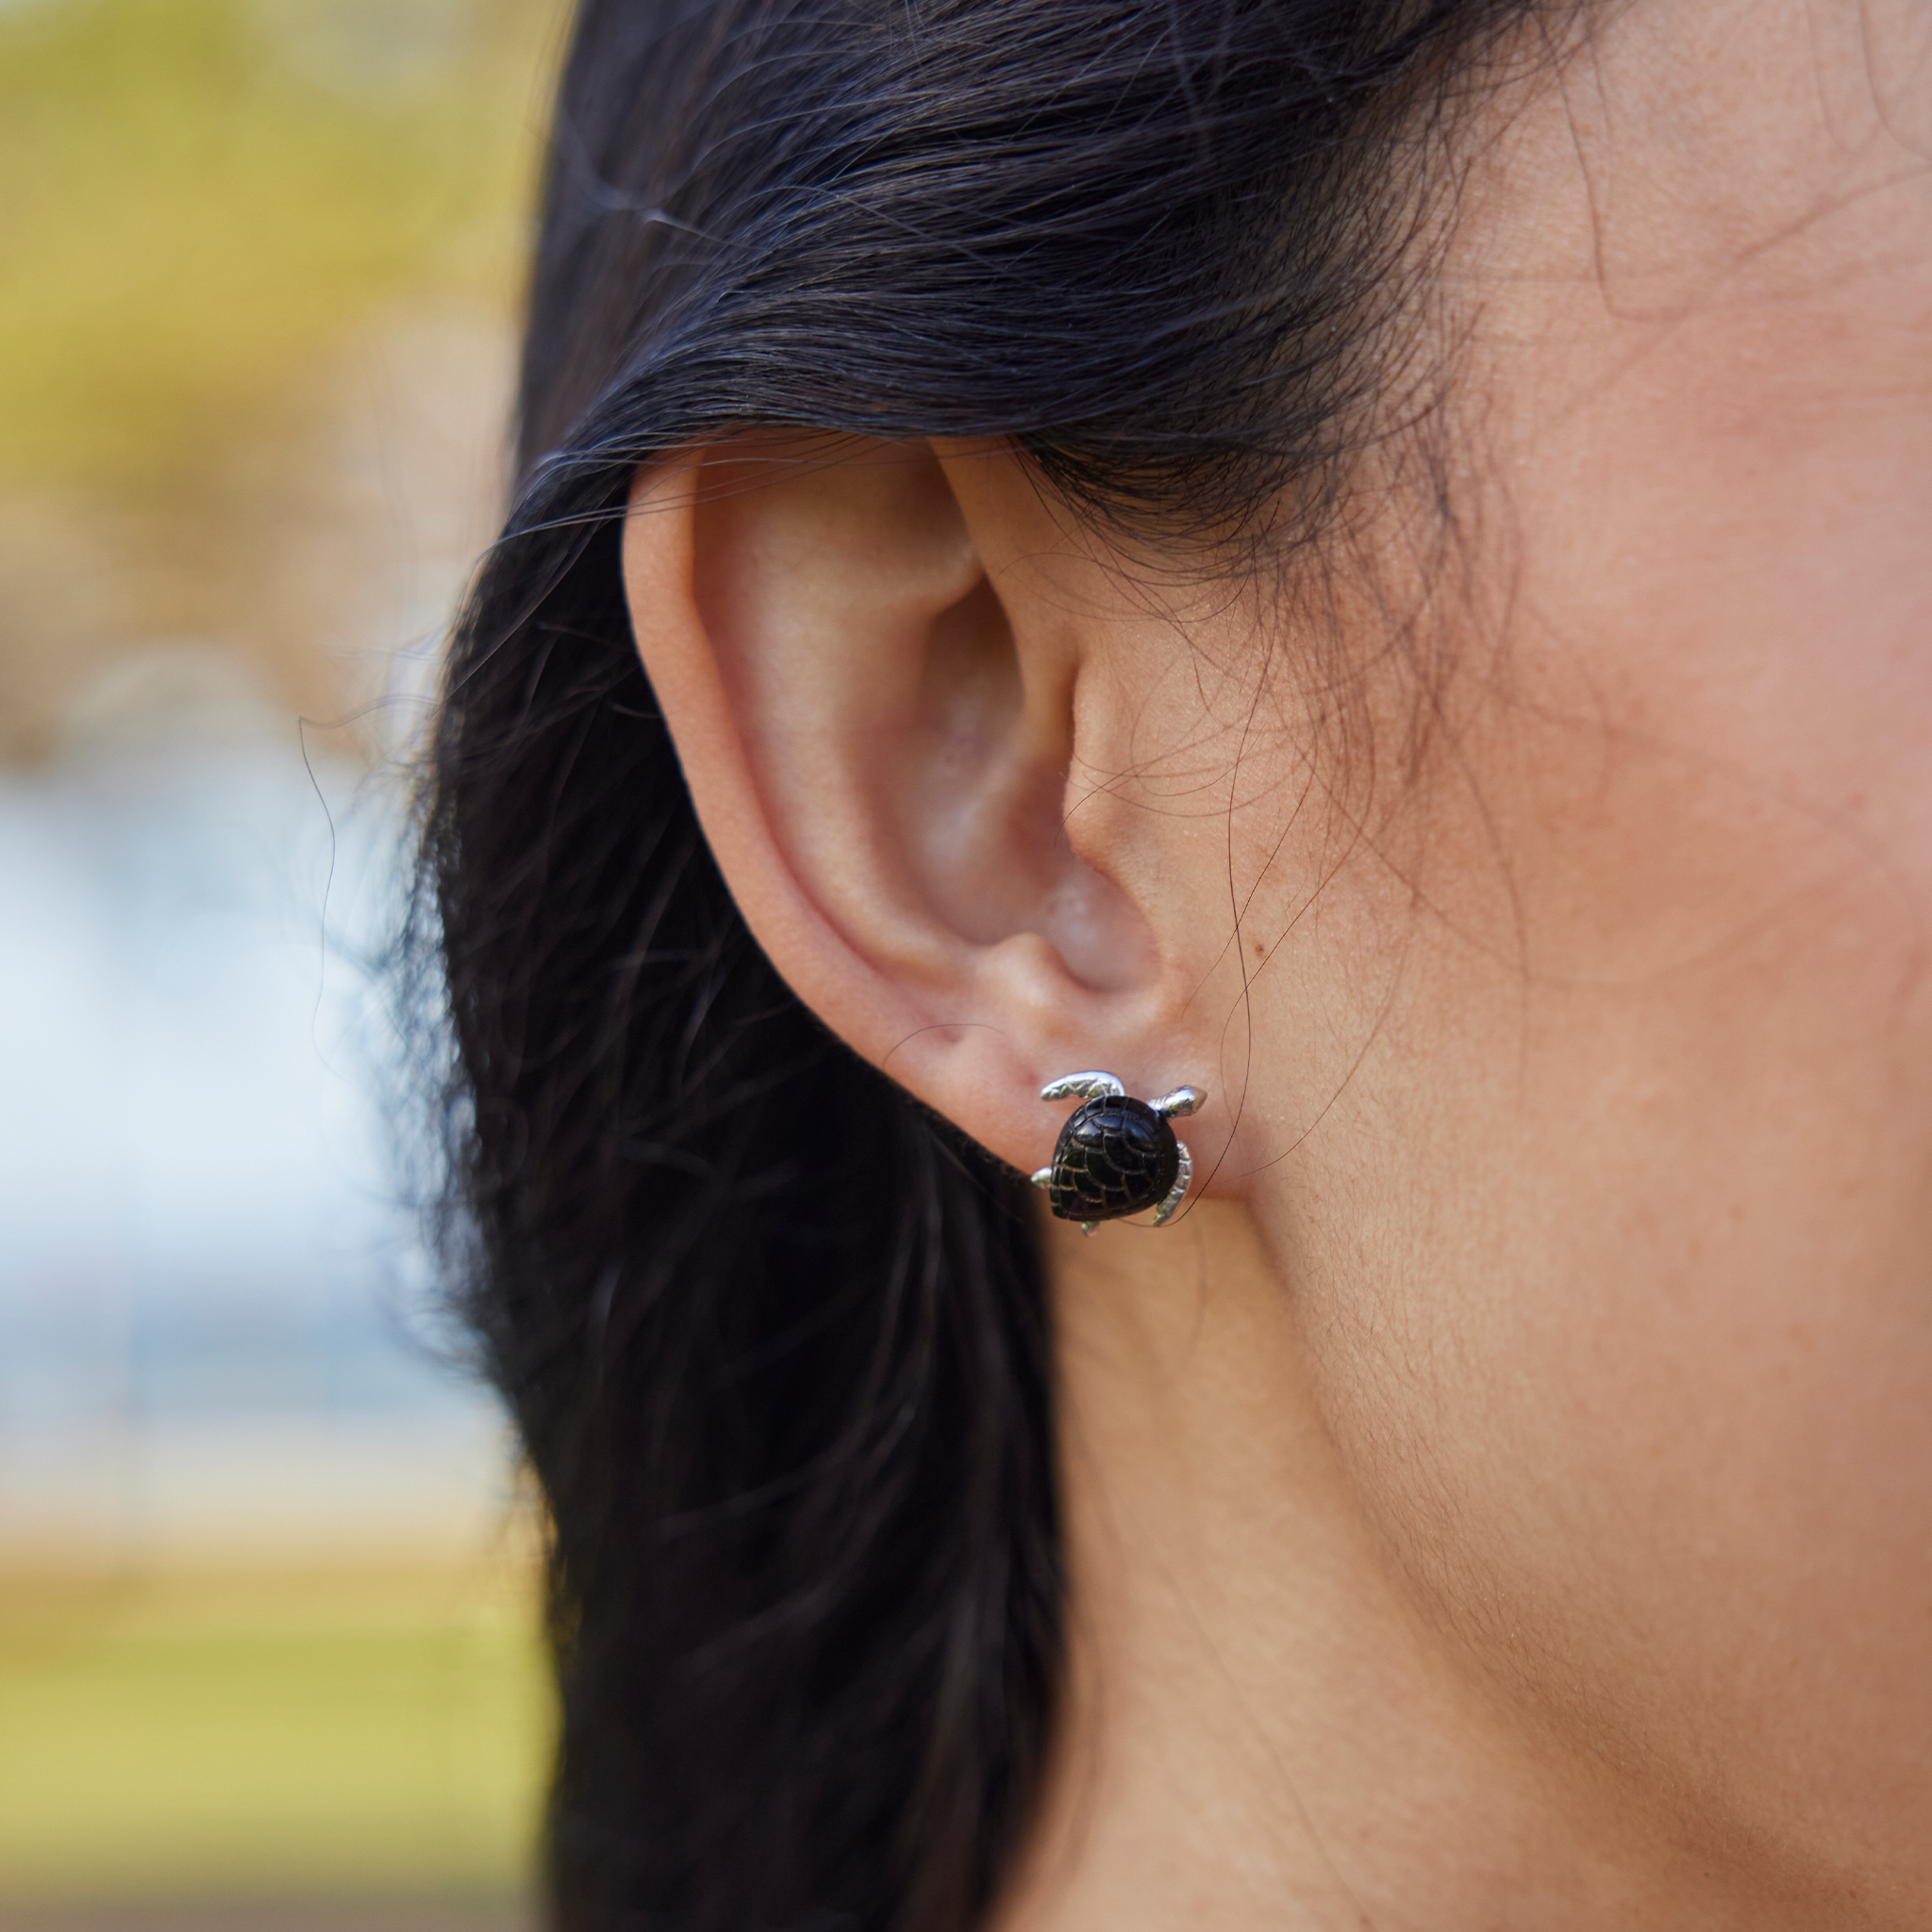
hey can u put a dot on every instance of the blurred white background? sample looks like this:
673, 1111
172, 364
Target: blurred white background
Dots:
216, 1330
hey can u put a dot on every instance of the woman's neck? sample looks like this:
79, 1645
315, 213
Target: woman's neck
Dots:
1261, 1730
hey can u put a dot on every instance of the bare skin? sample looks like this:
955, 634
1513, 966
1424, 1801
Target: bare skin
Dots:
1503, 1501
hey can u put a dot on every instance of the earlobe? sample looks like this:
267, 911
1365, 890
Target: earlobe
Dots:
876, 722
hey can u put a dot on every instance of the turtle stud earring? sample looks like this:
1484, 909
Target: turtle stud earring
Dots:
1116, 1155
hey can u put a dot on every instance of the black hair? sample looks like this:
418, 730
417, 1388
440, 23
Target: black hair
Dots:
775, 1340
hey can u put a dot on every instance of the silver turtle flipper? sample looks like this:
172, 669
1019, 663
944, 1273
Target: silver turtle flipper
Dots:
1178, 1192
1083, 1087
1182, 1100
1042, 1177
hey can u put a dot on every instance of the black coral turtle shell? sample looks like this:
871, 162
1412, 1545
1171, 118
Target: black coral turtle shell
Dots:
1114, 1156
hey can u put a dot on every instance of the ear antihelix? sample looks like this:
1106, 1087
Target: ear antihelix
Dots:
1116, 1155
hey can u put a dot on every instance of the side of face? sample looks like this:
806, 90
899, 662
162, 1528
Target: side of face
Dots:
1555, 949
1590, 1108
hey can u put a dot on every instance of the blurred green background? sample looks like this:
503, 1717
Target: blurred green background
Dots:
268, 1642
258, 264
360, 1739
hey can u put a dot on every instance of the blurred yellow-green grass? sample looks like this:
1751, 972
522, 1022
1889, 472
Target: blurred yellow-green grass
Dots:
376, 1734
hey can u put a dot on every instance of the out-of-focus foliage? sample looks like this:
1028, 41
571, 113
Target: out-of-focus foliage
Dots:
200, 198
260, 265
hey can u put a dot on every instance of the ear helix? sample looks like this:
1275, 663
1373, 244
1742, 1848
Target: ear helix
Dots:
1116, 1155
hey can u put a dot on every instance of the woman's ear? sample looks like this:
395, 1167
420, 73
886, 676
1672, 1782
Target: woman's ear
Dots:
873, 676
